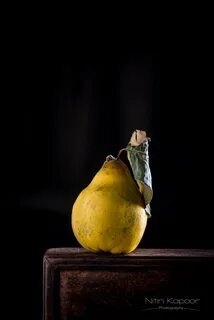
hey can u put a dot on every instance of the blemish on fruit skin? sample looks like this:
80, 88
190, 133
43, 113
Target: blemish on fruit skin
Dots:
130, 220
100, 188
124, 229
93, 205
90, 204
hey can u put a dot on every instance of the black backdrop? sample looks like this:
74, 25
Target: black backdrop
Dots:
68, 107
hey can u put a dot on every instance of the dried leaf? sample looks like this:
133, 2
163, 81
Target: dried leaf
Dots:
138, 156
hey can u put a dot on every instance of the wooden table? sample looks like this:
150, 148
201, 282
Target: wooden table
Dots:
146, 284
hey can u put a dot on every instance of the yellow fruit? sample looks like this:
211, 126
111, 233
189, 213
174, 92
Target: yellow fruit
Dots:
109, 214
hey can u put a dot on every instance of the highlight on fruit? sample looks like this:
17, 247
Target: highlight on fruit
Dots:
111, 213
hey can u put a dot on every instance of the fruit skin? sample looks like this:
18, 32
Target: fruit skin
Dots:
109, 214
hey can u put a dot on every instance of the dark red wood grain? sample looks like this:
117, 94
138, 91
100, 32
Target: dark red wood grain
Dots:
83, 285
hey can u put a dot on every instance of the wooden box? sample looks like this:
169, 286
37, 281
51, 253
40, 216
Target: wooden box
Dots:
146, 284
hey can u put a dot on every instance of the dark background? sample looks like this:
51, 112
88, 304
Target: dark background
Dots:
69, 105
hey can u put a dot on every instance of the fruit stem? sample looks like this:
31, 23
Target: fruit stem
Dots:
110, 157
119, 153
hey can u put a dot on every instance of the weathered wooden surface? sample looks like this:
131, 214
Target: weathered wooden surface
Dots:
83, 285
